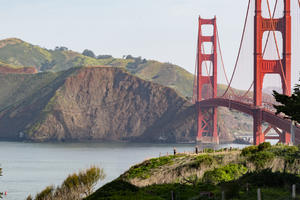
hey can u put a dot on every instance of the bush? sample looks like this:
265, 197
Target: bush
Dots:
47, 193
261, 158
202, 159
88, 53
263, 146
248, 151
231, 189
74, 187
224, 174
267, 178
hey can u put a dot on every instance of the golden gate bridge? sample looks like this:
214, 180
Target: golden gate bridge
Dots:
252, 102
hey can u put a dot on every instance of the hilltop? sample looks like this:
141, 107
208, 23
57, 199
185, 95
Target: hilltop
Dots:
15, 52
195, 176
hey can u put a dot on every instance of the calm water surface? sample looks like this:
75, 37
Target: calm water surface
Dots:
29, 167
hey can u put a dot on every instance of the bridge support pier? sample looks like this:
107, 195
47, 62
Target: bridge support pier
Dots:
285, 137
258, 134
281, 66
207, 122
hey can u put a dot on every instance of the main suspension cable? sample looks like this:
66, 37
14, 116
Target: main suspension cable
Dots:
240, 48
277, 48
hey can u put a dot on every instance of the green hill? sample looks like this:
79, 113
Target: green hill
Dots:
15, 52
237, 173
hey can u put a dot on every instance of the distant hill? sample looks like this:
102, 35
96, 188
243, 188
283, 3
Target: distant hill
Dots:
17, 53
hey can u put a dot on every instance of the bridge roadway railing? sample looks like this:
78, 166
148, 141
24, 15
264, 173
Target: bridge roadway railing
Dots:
267, 116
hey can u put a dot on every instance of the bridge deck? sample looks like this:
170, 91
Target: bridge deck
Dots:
267, 116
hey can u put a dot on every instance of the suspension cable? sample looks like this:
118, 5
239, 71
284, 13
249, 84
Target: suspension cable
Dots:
240, 48
269, 32
222, 61
265, 47
277, 48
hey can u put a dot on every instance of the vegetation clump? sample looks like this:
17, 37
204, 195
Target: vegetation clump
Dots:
75, 186
224, 174
206, 160
259, 155
290, 105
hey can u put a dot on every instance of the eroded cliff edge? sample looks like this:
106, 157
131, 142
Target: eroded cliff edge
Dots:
99, 103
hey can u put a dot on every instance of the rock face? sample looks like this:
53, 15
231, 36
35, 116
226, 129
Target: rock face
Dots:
22, 70
100, 103
95, 103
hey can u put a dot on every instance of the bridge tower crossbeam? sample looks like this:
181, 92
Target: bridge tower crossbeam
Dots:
207, 125
282, 66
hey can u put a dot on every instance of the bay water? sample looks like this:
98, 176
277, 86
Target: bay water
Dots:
30, 167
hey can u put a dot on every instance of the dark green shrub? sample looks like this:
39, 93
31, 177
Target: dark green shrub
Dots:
224, 174
248, 151
47, 193
202, 160
263, 146
261, 158
267, 178
231, 189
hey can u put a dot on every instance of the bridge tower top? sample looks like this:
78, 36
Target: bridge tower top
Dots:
203, 58
281, 66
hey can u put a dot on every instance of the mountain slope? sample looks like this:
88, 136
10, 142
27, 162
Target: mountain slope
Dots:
16, 52
91, 103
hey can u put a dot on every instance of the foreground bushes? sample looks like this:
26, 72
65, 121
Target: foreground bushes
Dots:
75, 186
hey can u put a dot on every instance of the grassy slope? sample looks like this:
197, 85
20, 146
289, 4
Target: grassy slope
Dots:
16, 52
251, 169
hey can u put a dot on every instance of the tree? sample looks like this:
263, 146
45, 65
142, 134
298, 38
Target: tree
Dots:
88, 53
290, 105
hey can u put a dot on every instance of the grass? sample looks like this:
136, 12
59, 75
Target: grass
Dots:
237, 189
236, 180
143, 171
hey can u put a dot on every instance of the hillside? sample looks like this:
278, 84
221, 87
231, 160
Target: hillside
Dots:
273, 169
14, 51
99, 103
91, 103
16, 54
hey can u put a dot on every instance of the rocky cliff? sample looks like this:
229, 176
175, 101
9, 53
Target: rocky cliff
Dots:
96, 103
99, 103
22, 70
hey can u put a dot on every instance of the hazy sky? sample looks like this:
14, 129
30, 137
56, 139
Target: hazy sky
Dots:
164, 30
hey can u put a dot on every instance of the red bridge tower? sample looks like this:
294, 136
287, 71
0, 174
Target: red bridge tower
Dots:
207, 121
262, 66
